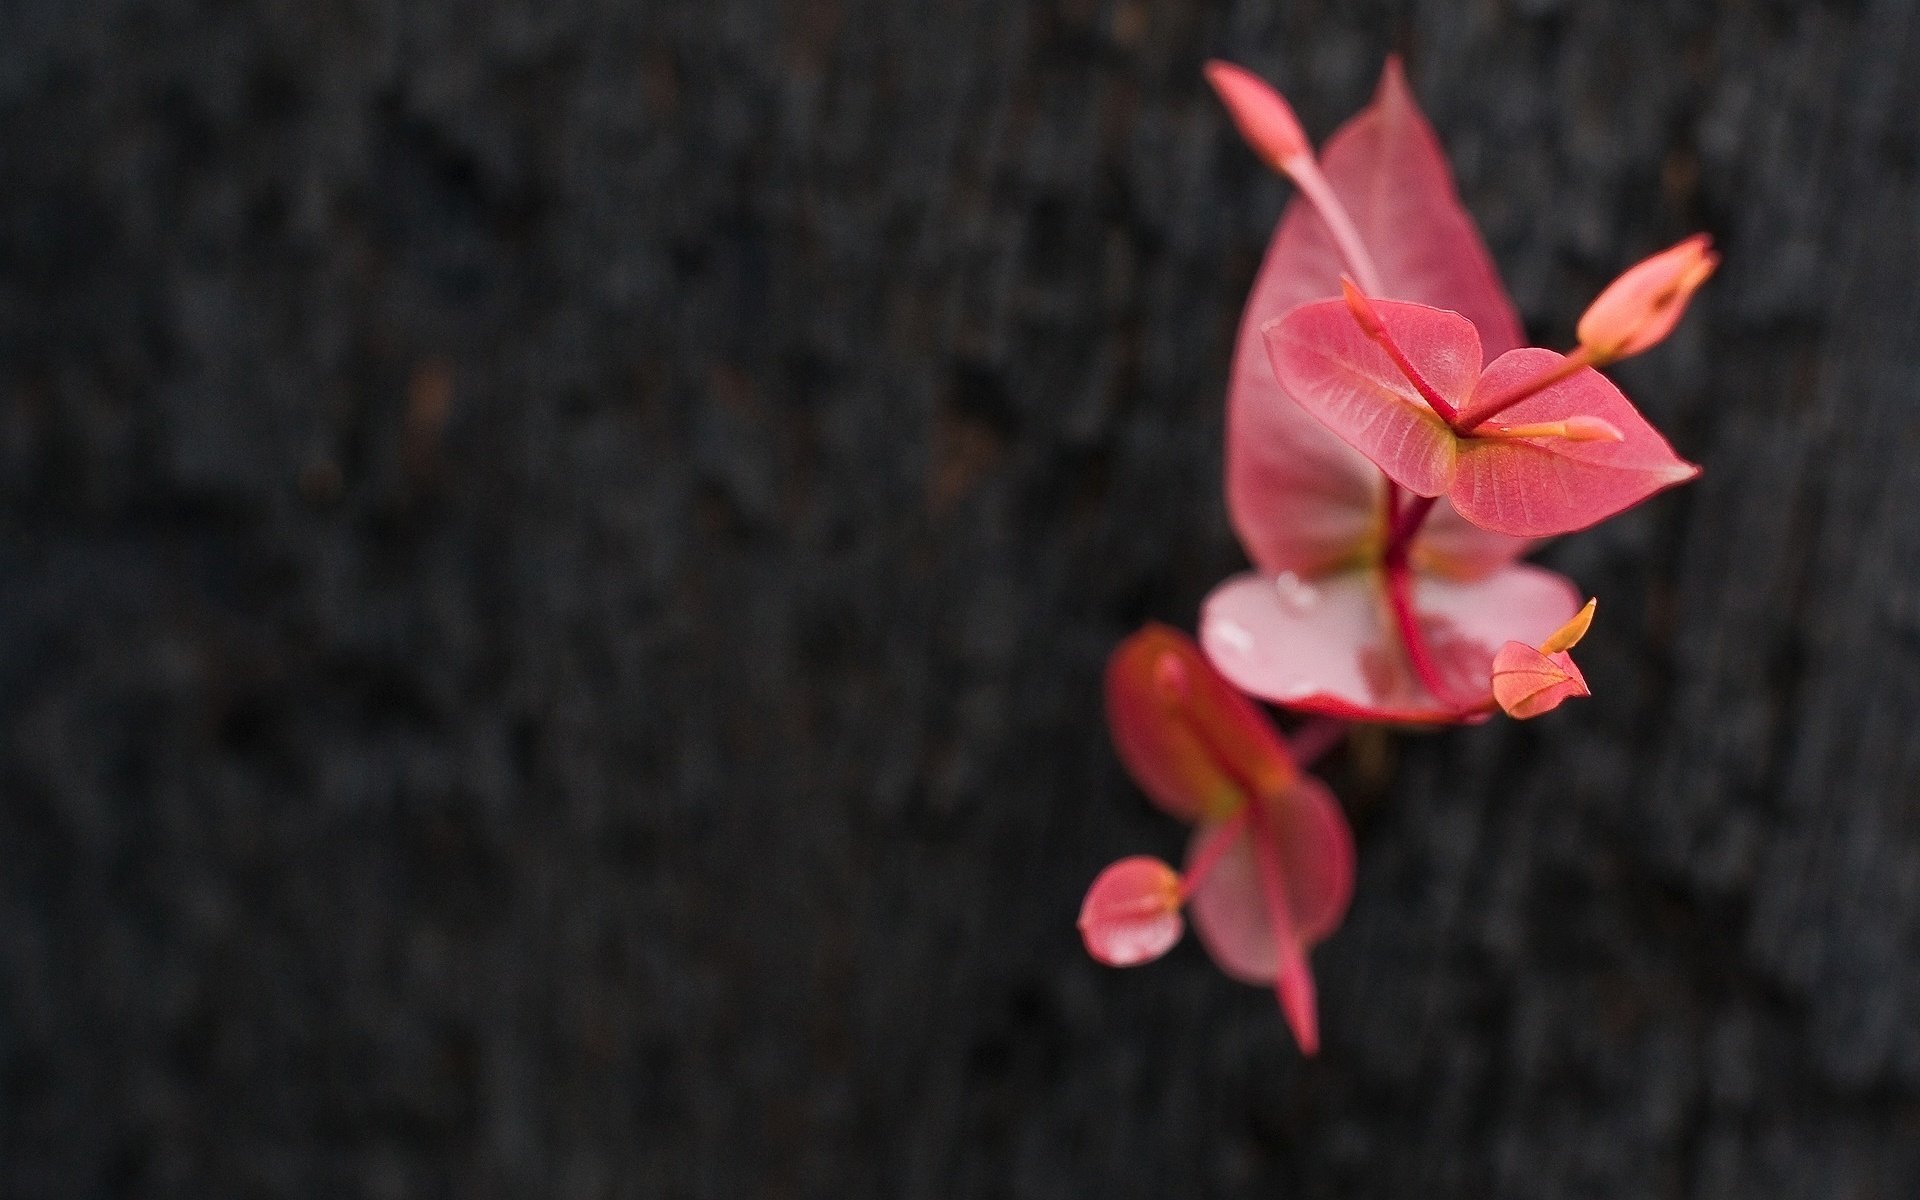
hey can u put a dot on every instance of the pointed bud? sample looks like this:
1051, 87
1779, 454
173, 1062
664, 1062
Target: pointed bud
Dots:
1590, 429
1262, 115
1640, 308
1132, 912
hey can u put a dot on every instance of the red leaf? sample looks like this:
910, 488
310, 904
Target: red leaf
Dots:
1546, 486
1132, 912
1327, 363
1301, 499
1275, 893
1194, 744
1329, 646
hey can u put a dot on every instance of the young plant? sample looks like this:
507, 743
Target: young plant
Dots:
1270, 866
1393, 449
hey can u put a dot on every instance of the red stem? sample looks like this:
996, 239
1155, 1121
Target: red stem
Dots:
1577, 359
1400, 600
1404, 525
1292, 983
1225, 835
1376, 331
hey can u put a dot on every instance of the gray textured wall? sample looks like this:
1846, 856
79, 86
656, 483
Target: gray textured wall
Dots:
555, 560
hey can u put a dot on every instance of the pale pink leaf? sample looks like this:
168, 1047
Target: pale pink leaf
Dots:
1315, 848
1329, 646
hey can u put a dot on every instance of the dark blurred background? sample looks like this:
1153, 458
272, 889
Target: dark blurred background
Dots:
555, 561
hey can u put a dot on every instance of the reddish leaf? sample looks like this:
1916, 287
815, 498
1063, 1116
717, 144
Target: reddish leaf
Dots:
1193, 743
1301, 499
1329, 646
1328, 364
1132, 912
1546, 486
1275, 893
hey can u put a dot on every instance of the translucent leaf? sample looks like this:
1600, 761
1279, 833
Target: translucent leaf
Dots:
1330, 646
1331, 368
1191, 741
1546, 486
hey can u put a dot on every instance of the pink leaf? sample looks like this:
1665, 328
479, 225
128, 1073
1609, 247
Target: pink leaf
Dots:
1315, 848
1301, 499
1328, 646
1132, 912
1327, 363
1387, 167
1545, 486
1192, 742
1452, 546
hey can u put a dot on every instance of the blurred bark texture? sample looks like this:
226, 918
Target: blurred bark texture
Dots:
555, 561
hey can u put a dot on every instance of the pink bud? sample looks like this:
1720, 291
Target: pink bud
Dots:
1641, 307
1262, 115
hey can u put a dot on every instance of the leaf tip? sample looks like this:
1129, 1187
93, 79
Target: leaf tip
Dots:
1299, 1004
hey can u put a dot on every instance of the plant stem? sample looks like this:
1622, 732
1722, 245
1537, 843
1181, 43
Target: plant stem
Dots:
1225, 835
1577, 360
1407, 622
1292, 983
